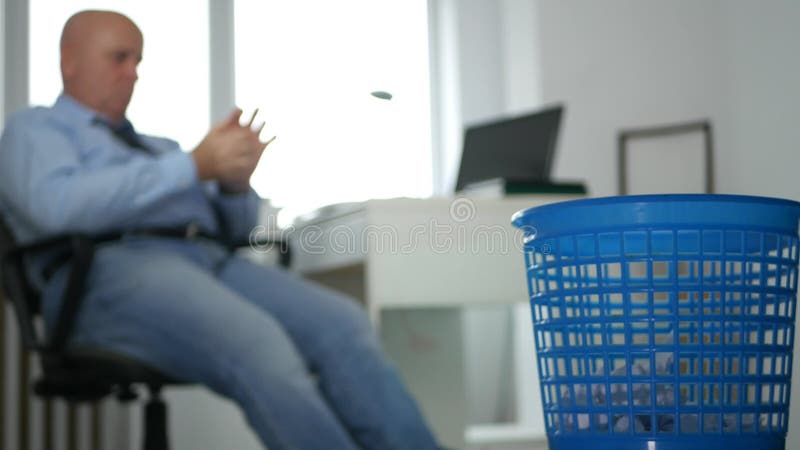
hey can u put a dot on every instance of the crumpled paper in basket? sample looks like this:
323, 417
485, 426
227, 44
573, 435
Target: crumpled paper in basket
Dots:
641, 396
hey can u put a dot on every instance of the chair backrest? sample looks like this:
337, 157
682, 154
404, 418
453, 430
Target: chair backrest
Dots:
18, 290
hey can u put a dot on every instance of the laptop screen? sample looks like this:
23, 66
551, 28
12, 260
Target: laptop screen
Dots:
518, 148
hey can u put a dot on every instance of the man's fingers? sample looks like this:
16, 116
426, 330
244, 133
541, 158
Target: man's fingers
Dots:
258, 129
252, 118
269, 141
232, 119
235, 116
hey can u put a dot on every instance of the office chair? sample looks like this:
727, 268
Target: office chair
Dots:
82, 374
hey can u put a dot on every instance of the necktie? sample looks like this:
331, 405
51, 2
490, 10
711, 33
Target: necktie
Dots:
126, 134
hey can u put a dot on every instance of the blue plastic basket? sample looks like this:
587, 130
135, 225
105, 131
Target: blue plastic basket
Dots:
664, 322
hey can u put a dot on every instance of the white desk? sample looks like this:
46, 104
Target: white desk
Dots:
435, 254
420, 252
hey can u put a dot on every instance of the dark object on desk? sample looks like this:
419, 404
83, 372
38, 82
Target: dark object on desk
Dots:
77, 374
516, 148
626, 136
501, 187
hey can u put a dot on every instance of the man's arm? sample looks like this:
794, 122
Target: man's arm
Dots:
236, 202
45, 183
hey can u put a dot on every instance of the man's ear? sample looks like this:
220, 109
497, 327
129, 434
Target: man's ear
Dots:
67, 63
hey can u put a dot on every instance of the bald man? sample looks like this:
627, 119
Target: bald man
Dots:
180, 301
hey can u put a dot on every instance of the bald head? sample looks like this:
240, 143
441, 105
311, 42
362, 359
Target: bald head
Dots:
100, 52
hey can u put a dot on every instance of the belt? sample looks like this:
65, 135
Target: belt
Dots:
191, 231
188, 232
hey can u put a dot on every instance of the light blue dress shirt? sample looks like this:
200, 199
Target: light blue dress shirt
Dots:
63, 172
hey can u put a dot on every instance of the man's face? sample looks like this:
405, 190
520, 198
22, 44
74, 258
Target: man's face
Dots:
100, 65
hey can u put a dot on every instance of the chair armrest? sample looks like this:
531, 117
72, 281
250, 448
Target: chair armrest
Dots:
80, 250
82, 255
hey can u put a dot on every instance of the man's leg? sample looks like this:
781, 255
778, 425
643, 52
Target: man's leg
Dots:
335, 336
168, 310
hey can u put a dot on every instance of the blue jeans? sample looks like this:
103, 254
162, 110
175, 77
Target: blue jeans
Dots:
254, 334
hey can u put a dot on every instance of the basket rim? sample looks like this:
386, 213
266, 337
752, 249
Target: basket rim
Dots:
650, 200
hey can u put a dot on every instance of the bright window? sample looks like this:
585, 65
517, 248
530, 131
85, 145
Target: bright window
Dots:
310, 66
172, 94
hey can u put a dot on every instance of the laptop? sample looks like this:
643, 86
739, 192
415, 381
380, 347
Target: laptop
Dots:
519, 149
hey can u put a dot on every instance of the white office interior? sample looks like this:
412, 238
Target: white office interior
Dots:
613, 64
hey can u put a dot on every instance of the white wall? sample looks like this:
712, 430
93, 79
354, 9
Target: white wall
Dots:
622, 64
758, 125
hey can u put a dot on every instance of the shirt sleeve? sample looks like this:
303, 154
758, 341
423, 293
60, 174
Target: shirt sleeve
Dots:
45, 181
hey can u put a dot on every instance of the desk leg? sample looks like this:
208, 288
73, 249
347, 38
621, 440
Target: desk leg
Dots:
426, 345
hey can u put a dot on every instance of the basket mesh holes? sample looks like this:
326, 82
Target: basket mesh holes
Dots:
731, 397
538, 258
748, 419
786, 247
639, 304
734, 275
712, 331
621, 424
732, 364
763, 422
611, 274
640, 334
662, 274
751, 365
552, 421
552, 394
596, 365
766, 398
663, 333
772, 245
637, 272
561, 367
588, 275
688, 365
641, 363
711, 395
618, 365
711, 423
613, 304
546, 341
558, 339
688, 424
772, 275
749, 394
769, 337
712, 273
779, 366
688, 394
732, 337
753, 273
711, 365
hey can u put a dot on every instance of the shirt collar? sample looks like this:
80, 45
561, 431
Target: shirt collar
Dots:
79, 114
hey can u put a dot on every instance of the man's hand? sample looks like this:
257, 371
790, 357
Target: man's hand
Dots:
230, 152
